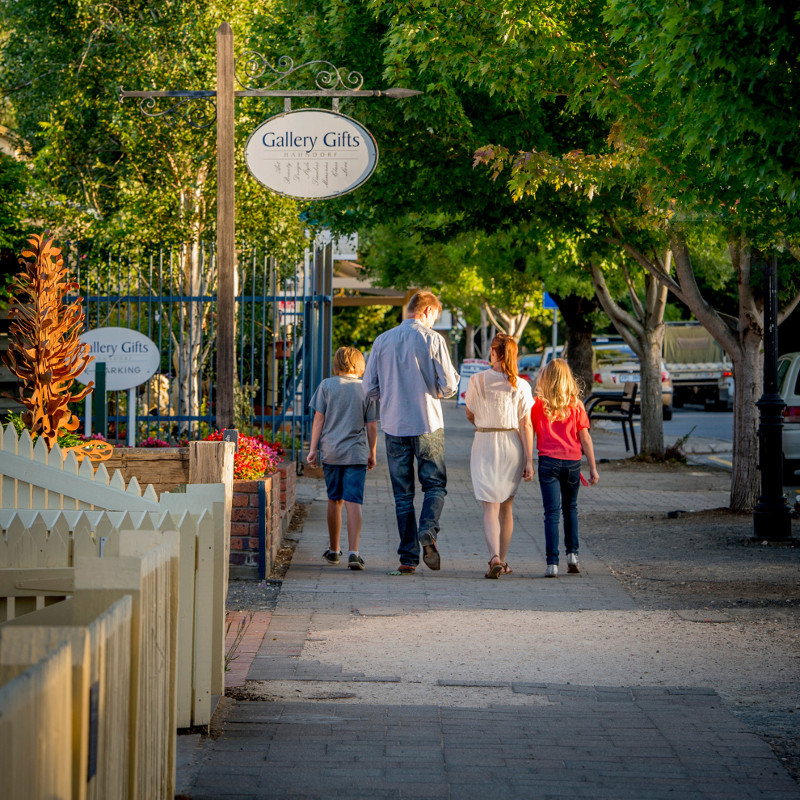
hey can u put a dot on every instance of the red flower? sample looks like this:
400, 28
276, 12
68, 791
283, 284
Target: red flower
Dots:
254, 459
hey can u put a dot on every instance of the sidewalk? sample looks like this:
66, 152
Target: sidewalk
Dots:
446, 685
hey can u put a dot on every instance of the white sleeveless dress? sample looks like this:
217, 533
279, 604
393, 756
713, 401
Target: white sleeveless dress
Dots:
497, 458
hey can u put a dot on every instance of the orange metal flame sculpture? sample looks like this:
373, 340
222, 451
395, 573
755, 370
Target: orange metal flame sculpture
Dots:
45, 352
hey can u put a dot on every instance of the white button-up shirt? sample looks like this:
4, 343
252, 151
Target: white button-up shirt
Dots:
409, 369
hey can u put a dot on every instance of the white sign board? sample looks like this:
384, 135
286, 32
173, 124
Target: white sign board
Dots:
469, 366
311, 154
130, 357
345, 248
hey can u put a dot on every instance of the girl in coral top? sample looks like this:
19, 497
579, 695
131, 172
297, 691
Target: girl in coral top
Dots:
561, 430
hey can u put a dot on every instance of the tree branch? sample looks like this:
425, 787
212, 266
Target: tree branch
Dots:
623, 321
693, 298
492, 318
788, 308
632, 293
653, 269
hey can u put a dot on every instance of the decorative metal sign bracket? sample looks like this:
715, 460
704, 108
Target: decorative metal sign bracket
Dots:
198, 109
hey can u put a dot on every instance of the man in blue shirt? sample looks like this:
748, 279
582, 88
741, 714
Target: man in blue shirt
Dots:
409, 370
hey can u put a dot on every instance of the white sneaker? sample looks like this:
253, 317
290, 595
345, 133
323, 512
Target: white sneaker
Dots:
551, 571
572, 563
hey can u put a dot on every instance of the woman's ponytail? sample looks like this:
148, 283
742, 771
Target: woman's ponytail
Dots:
506, 348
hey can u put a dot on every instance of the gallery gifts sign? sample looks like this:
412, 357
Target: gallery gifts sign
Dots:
311, 154
130, 357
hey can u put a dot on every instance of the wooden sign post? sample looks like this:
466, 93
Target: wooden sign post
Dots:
226, 228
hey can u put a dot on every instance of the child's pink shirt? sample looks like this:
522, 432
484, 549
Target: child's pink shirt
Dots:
559, 439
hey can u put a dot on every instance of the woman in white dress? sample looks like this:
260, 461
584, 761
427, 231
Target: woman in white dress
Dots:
499, 406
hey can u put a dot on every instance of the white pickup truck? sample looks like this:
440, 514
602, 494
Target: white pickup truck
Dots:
701, 371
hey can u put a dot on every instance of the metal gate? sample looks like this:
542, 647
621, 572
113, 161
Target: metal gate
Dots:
283, 337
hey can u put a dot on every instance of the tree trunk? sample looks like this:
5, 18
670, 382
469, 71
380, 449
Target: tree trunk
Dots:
578, 318
743, 346
650, 400
511, 324
469, 345
484, 351
643, 330
748, 371
187, 360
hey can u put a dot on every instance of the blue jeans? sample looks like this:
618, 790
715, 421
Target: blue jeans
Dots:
428, 449
559, 481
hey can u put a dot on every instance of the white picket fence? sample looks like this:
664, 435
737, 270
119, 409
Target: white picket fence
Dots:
54, 510
107, 729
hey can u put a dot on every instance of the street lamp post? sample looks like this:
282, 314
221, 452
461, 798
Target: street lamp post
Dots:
771, 519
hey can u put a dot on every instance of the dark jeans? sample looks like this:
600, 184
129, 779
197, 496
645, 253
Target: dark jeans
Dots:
428, 450
559, 481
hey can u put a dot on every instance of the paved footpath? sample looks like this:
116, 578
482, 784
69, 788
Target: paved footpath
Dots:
465, 728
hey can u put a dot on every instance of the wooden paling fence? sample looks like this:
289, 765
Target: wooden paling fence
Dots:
119, 630
34, 539
35, 479
33, 700
74, 543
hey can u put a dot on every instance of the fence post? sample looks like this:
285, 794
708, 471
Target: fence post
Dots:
212, 462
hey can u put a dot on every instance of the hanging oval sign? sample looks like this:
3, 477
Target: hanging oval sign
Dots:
131, 357
311, 154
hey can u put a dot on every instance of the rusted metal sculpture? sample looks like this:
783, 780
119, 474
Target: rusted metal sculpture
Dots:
45, 351
94, 451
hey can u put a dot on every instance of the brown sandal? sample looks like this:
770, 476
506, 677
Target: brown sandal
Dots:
506, 569
494, 569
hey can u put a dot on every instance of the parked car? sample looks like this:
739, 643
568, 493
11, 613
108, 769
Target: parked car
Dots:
789, 390
615, 364
529, 367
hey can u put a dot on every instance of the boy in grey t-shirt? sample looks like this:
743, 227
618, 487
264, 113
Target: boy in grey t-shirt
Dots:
344, 438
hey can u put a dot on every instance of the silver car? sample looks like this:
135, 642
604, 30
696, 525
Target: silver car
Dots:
789, 390
614, 364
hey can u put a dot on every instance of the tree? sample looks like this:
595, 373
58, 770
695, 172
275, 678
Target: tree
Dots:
633, 66
13, 186
434, 136
425, 173
357, 326
496, 274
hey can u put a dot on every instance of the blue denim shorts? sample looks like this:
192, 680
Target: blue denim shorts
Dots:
345, 482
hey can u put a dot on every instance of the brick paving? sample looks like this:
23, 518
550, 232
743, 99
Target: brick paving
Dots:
565, 741
244, 635
592, 742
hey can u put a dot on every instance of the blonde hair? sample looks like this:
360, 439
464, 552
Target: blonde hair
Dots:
348, 360
506, 348
422, 300
558, 390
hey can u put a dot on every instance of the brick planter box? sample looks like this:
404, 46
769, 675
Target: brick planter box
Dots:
259, 519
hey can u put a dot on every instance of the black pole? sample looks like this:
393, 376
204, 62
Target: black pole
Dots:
771, 518
99, 400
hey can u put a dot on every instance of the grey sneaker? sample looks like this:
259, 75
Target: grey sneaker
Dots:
355, 562
331, 557
551, 571
572, 563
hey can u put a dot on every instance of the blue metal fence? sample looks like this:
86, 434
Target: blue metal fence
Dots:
283, 336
